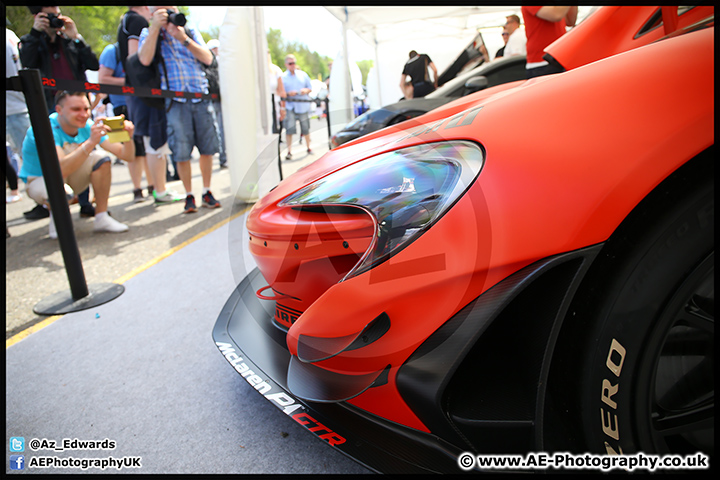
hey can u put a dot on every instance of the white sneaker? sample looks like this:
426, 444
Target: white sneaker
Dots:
168, 197
108, 224
52, 231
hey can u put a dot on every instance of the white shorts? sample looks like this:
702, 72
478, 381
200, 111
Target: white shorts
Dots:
164, 150
77, 181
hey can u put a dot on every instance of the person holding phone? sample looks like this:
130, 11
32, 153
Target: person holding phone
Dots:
81, 163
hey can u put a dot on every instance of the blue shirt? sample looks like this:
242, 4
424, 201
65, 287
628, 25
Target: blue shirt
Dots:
31, 160
294, 83
108, 58
184, 73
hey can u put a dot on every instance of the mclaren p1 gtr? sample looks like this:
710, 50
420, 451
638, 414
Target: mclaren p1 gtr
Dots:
527, 268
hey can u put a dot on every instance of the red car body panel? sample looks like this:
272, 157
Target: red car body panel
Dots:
596, 163
612, 30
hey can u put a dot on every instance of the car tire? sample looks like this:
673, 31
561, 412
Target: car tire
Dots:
646, 356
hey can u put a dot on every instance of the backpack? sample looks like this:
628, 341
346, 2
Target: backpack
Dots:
212, 75
139, 75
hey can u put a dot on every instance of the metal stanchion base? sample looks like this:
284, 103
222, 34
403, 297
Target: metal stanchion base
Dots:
62, 302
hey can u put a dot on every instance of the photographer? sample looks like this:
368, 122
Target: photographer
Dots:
191, 123
55, 47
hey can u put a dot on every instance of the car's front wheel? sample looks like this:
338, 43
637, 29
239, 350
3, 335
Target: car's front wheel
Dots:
644, 374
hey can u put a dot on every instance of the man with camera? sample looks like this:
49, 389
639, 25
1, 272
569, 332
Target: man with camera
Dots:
55, 47
191, 122
76, 137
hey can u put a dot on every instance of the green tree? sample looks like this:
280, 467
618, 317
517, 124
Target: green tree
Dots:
314, 64
97, 24
365, 66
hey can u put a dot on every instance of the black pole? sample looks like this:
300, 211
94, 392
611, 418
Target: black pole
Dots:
37, 108
277, 128
327, 115
81, 297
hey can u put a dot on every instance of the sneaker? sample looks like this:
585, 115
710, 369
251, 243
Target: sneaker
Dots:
52, 231
13, 198
138, 196
151, 190
190, 204
87, 211
108, 224
37, 213
208, 201
166, 198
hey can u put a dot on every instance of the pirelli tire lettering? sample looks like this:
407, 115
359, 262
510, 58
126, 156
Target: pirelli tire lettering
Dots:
278, 397
610, 386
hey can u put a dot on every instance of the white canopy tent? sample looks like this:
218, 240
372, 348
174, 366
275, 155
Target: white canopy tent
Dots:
441, 32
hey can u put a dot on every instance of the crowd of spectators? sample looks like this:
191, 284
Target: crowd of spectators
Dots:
158, 135
166, 131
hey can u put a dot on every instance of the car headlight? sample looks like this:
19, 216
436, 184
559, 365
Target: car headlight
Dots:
405, 190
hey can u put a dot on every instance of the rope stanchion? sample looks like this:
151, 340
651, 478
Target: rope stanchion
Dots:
81, 296
79, 86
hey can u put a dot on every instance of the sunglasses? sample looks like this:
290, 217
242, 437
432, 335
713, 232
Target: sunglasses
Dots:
289, 63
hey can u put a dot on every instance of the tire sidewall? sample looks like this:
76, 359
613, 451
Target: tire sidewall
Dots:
628, 330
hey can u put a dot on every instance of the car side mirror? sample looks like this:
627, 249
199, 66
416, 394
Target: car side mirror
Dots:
475, 84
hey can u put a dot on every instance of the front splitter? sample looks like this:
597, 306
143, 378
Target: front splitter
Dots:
257, 350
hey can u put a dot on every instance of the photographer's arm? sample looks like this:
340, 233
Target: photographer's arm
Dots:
105, 76
146, 54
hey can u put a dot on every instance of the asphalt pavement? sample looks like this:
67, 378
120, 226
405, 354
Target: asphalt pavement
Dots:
141, 373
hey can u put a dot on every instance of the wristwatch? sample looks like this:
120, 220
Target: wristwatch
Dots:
186, 42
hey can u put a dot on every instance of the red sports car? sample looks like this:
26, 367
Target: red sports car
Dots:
528, 268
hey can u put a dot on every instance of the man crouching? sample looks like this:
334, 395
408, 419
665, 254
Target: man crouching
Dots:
76, 139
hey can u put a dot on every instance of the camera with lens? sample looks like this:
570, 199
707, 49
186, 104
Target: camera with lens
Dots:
176, 18
55, 22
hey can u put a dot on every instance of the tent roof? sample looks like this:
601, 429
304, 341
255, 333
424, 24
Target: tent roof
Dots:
377, 25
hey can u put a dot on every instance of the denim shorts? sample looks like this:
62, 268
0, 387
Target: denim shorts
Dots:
192, 125
291, 120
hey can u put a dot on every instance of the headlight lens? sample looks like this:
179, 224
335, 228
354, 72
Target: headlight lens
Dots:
406, 190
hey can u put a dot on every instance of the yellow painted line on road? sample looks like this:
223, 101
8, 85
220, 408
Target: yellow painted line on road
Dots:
50, 320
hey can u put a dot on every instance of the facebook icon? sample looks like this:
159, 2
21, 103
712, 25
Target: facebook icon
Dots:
17, 462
